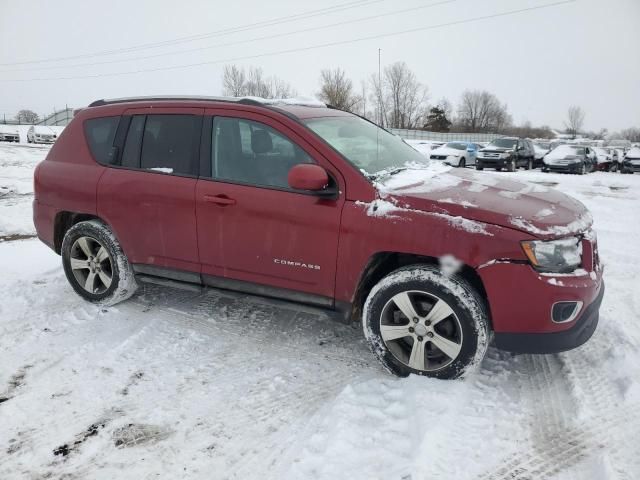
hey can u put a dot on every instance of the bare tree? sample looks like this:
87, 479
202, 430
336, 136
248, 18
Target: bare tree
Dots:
400, 100
575, 120
481, 111
237, 83
337, 90
233, 81
632, 134
27, 116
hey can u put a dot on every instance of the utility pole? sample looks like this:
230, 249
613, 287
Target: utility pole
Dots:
379, 89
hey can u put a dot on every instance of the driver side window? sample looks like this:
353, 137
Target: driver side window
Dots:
253, 153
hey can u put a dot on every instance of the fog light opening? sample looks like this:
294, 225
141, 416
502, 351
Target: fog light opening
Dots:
564, 312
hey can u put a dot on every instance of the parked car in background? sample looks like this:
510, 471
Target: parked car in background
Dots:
9, 134
41, 134
631, 161
509, 153
318, 206
604, 159
456, 154
569, 159
423, 146
540, 152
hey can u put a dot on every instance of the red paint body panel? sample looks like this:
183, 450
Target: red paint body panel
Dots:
521, 298
311, 244
153, 216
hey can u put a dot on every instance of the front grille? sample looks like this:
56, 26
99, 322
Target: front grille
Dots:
491, 154
438, 157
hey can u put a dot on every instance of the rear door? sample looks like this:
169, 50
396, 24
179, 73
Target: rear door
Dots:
252, 227
148, 196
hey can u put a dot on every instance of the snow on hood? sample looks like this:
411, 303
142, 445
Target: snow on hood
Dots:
538, 210
561, 152
447, 151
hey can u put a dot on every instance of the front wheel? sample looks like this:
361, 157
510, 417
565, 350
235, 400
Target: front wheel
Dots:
95, 265
583, 169
529, 165
511, 166
479, 166
419, 320
462, 163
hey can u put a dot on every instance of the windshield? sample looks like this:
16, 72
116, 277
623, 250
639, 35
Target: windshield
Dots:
457, 146
367, 146
579, 150
503, 143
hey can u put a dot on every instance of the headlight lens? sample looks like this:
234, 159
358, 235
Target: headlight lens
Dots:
555, 256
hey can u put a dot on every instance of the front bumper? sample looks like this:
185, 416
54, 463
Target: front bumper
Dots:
568, 168
578, 334
493, 162
631, 165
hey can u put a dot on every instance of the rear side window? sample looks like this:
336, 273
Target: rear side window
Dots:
170, 143
100, 133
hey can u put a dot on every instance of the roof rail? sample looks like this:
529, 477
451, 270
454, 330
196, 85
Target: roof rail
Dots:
256, 101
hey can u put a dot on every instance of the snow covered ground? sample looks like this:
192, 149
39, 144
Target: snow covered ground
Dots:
177, 384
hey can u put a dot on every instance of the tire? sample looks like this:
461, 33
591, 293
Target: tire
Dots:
462, 163
461, 325
479, 166
511, 167
583, 169
529, 165
90, 249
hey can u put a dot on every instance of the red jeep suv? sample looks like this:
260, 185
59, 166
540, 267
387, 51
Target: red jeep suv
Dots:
315, 205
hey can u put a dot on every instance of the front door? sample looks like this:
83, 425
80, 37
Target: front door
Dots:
252, 227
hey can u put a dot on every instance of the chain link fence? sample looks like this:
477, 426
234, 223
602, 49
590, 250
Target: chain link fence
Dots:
444, 137
58, 117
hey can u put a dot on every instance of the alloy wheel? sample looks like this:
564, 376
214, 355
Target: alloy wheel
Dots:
91, 265
421, 330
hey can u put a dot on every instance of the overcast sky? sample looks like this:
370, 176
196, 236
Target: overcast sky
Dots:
585, 52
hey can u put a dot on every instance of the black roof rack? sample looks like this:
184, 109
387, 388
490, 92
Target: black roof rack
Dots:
155, 98
240, 100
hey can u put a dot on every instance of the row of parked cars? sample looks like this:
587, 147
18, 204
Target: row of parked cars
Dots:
511, 153
35, 133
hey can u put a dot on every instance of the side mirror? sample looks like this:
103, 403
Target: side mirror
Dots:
308, 176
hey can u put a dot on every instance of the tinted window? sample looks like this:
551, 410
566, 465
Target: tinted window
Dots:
253, 153
170, 143
503, 143
133, 144
100, 133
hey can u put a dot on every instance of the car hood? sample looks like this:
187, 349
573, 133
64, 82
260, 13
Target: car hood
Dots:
496, 149
447, 151
535, 209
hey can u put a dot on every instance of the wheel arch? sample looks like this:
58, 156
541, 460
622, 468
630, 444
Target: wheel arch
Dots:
383, 263
64, 220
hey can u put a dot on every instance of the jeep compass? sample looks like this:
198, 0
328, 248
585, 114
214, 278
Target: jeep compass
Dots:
314, 205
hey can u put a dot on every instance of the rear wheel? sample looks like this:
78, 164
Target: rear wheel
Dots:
95, 265
419, 320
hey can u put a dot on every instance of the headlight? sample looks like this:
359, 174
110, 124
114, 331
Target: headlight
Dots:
555, 256
506, 154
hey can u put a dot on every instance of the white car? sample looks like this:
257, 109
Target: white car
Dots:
41, 134
9, 134
423, 146
457, 154
540, 152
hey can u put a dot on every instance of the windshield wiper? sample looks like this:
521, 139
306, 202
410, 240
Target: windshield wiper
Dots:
387, 173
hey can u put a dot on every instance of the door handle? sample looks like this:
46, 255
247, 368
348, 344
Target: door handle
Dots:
219, 199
